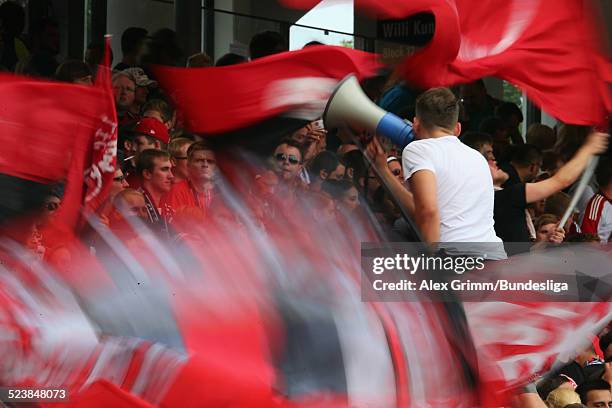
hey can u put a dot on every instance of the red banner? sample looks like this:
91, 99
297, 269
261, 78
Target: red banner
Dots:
550, 48
216, 100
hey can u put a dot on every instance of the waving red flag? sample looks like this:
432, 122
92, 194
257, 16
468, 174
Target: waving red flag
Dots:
216, 100
40, 123
550, 48
99, 176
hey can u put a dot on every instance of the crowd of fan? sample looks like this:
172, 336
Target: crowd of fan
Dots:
166, 175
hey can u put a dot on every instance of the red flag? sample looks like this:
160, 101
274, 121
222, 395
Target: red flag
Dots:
99, 175
40, 123
216, 100
550, 48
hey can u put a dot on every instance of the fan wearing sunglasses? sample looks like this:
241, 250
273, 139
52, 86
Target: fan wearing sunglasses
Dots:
287, 161
395, 167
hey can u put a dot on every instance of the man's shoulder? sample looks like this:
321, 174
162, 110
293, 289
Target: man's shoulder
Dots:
180, 188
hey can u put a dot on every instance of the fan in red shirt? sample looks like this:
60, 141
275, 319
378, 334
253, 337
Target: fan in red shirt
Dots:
191, 199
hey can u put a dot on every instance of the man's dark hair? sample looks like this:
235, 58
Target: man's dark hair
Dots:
131, 38
603, 174
437, 108
355, 160
507, 109
230, 59
198, 146
476, 140
290, 142
146, 159
605, 341
591, 385
266, 43
325, 160
72, 70
312, 43
525, 155
159, 105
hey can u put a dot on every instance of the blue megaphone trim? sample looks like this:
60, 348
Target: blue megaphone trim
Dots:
395, 129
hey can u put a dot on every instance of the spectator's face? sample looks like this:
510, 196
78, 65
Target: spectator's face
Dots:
544, 232
534, 170
161, 176
51, 205
299, 136
131, 205
179, 163
338, 173
287, 161
350, 199
119, 183
142, 143
396, 168
499, 176
599, 399
487, 151
124, 90
203, 166
135, 206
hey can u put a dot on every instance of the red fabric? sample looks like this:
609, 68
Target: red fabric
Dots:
100, 174
94, 154
215, 100
153, 128
41, 123
592, 214
550, 48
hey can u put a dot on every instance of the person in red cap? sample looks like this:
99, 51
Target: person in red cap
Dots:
149, 133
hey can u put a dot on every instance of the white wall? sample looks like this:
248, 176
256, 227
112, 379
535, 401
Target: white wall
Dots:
148, 14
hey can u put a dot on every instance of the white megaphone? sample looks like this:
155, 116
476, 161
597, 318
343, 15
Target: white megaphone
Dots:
349, 107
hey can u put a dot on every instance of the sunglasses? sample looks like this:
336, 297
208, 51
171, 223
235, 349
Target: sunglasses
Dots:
281, 157
51, 206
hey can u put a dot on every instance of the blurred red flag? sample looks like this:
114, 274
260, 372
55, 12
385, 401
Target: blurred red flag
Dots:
41, 123
553, 49
216, 100
99, 176
52, 132
94, 155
